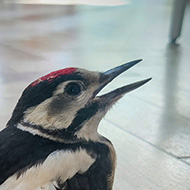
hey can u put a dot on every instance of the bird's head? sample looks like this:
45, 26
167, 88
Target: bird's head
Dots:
64, 104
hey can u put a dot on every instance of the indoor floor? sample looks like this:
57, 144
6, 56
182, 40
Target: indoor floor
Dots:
149, 127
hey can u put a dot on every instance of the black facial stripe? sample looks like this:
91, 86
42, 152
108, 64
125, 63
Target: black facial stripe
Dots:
82, 116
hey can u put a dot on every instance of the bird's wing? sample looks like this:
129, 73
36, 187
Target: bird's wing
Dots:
35, 160
97, 177
20, 150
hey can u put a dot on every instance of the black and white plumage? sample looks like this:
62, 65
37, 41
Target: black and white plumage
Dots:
51, 140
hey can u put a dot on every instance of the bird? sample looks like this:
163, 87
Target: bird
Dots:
51, 140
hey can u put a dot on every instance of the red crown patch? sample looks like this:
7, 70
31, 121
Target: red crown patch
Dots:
49, 77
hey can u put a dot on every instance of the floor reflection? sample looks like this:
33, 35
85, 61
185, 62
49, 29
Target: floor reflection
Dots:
173, 124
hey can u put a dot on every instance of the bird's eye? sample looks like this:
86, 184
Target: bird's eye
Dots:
73, 89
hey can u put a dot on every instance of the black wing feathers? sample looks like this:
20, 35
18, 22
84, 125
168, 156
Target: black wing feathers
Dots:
20, 150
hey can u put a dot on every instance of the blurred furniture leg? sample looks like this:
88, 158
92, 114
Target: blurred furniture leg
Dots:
177, 19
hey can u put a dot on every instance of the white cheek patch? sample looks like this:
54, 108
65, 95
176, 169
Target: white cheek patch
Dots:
39, 116
58, 165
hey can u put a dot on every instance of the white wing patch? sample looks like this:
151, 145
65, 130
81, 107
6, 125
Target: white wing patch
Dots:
58, 165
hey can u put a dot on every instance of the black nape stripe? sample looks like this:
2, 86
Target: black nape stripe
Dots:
82, 116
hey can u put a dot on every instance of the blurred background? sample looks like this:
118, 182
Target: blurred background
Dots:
150, 127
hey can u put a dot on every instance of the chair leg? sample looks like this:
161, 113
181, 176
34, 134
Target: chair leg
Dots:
177, 19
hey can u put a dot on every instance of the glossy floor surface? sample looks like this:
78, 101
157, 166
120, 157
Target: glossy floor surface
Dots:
150, 127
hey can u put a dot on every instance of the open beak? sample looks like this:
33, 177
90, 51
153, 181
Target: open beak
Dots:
109, 75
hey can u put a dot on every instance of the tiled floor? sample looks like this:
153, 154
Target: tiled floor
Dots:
149, 127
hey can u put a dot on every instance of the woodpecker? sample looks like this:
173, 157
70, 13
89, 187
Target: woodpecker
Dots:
51, 140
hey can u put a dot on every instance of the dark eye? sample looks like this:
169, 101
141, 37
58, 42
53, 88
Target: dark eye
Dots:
73, 89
